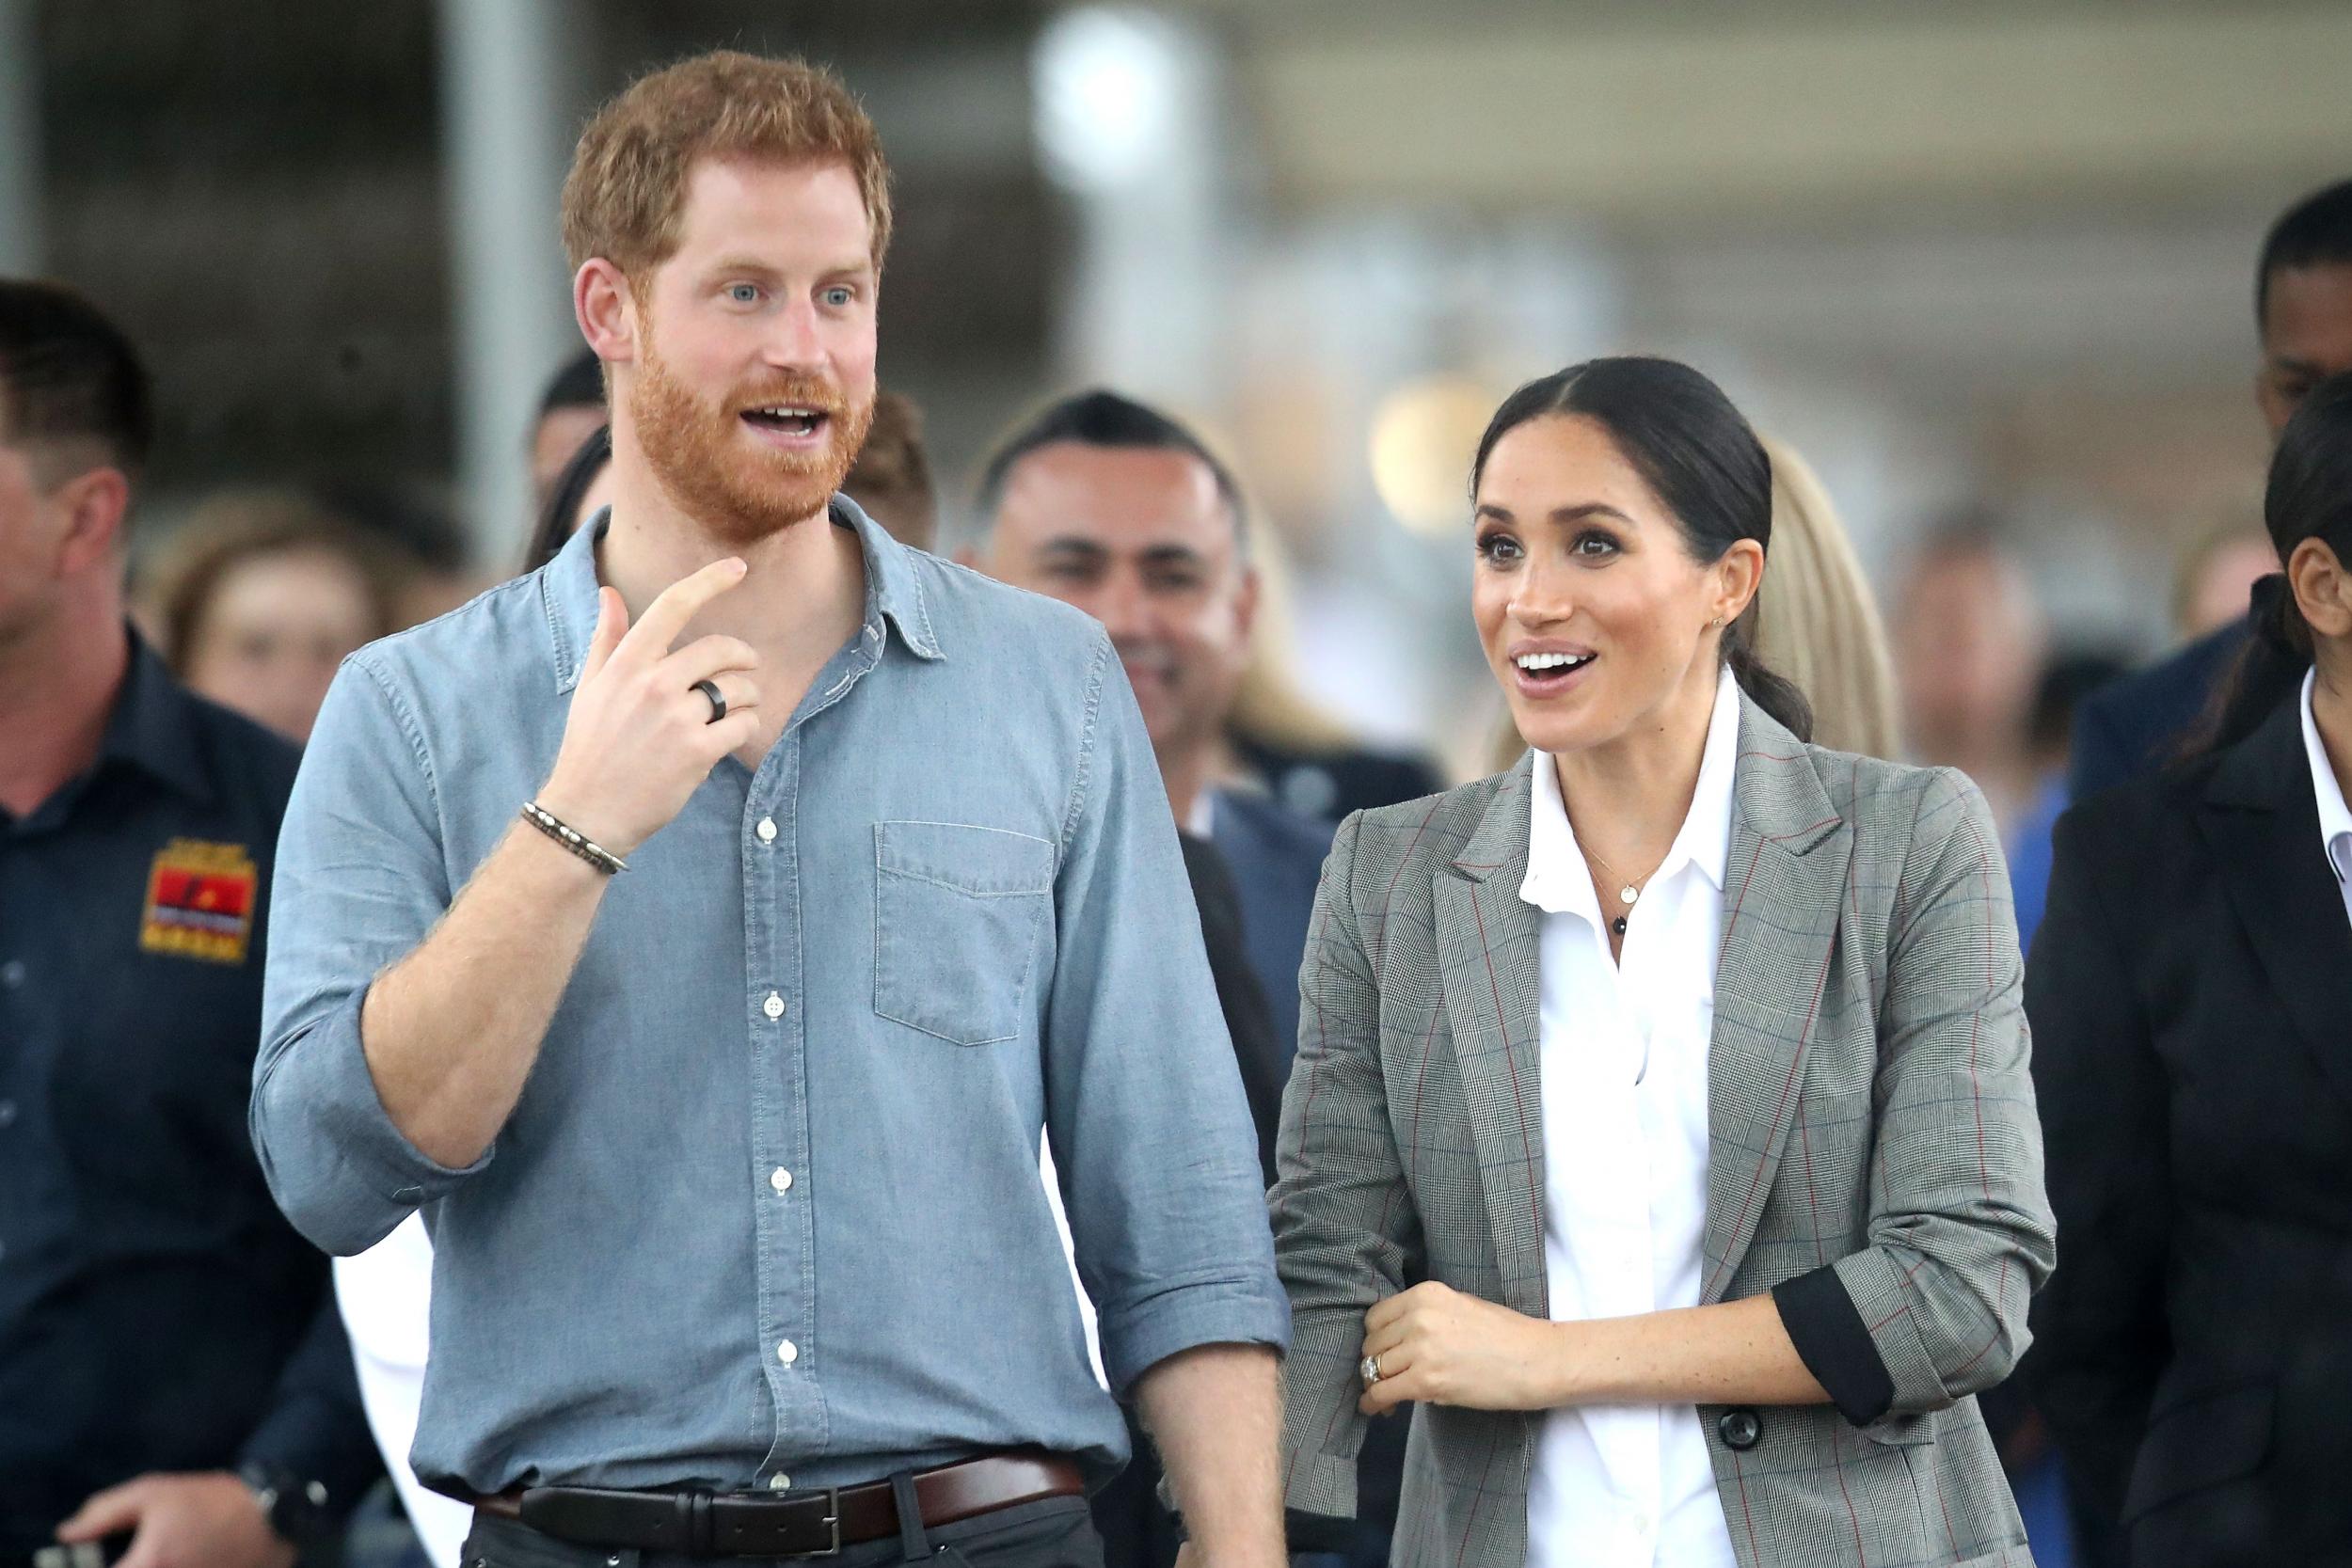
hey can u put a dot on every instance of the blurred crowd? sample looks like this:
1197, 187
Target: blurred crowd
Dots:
254, 600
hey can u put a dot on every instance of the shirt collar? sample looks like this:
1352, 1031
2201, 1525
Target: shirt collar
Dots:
1202, 821
2335, 817
893, 590
1559, 879
153, 728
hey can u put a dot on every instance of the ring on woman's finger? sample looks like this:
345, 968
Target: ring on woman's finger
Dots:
718, 700
1370, 1370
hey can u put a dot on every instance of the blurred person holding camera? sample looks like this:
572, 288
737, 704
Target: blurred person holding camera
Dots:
174, 1387
259, 597
1683, 1064
2191, 999
2303, 314
706, 925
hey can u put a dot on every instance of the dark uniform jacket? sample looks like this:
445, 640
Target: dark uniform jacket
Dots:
156, 1311
2190, 991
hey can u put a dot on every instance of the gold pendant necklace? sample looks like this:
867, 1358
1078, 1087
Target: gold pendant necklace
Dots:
1628, 893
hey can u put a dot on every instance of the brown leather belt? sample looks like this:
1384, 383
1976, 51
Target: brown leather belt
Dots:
816, 1523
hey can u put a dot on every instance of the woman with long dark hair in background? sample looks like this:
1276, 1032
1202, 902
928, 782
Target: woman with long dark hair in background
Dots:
1683, 1062
2191, 999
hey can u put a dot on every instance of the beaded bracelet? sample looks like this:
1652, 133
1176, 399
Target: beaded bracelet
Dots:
570, 838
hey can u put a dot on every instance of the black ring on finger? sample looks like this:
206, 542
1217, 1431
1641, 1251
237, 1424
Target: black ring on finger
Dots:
718, 700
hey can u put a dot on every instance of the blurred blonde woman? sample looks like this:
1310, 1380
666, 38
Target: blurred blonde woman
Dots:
1814, 620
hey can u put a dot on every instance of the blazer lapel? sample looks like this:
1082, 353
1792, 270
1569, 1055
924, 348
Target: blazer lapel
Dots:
1488, 946
1784, 890
2260, 815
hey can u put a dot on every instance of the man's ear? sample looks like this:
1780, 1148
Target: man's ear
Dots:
1246, 601
95, 505
606, 309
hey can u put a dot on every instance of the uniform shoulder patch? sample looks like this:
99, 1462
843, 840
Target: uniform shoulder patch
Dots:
199, 901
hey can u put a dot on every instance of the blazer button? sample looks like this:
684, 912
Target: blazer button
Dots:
1741, 1430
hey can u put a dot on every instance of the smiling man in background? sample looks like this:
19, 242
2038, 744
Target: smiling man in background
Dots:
1110, 505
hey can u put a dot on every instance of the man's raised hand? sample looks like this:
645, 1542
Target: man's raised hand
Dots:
640, 736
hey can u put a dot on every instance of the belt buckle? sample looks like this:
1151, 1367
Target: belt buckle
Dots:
832, 1522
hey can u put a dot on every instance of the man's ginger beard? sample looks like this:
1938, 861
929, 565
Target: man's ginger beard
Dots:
700, 456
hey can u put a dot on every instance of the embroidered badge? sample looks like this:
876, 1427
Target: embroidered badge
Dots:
199, 901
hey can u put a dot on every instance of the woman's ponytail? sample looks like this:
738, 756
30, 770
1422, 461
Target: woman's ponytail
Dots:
2269, 672
1774, 693
2309, 496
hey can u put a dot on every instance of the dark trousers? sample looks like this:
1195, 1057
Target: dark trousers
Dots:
1055, 1533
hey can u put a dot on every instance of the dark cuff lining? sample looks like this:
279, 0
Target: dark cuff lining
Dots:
1835, 1345
1320, 1533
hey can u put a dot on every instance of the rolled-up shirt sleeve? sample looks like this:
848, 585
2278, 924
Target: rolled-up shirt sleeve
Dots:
1961, 1233
1144, 1102
361, 879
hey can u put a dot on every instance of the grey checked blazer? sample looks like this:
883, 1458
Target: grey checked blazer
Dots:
1868, 1108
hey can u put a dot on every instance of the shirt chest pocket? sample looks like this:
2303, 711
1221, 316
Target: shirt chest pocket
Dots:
957, 910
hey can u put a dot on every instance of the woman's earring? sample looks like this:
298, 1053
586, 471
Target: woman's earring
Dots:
1716, 625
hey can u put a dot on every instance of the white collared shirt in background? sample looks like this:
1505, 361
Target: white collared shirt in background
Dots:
386, 1295
1625, 1069
2335, 817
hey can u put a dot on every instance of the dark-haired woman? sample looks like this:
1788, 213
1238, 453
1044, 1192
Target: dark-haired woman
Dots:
1684, 1063
583, 488
2191, 998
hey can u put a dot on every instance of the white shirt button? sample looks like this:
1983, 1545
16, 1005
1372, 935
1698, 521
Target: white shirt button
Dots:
767, 830
780, 1179
779, 1483
773, 1006
787, 1352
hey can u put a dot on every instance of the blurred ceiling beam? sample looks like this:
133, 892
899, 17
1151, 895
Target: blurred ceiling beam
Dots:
21, 237
1656, 123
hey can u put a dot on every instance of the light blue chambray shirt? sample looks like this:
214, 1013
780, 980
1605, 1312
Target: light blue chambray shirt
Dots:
769, 1205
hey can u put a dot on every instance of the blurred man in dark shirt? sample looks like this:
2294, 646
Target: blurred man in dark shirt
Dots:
2303, 310
169, 1373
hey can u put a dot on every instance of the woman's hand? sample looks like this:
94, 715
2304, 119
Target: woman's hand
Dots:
1437, 1346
